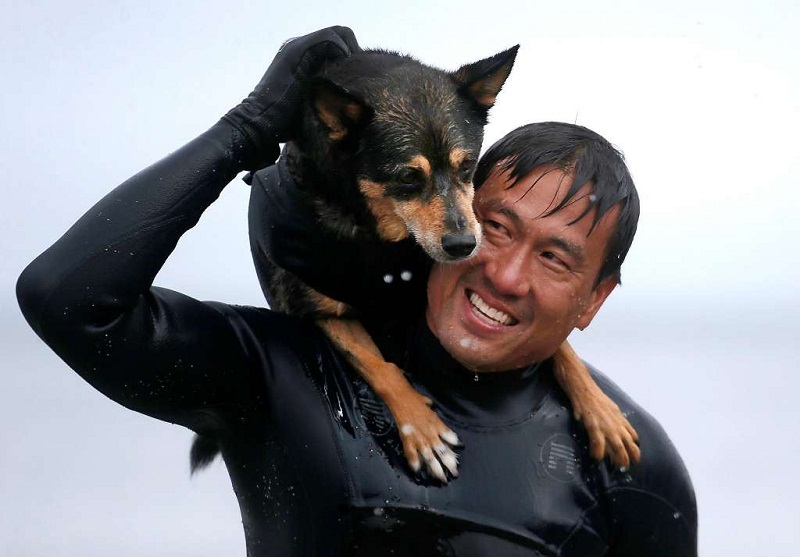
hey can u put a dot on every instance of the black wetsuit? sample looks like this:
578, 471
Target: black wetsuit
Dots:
313, 457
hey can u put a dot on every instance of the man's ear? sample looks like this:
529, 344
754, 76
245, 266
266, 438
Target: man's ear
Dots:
338, 110
596, 299
481, 81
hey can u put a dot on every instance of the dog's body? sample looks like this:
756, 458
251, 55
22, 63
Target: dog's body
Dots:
386, 154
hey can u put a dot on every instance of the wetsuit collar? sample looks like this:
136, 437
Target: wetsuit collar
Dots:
483, 399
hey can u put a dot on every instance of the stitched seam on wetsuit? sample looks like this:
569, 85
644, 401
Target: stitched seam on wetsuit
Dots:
661, 499
484, 429
579, 526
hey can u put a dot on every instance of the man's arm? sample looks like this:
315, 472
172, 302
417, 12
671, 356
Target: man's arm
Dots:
89, 296
655, 515
651, 506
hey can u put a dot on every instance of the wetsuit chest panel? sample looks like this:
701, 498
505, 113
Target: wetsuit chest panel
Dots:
529, 484
326, 459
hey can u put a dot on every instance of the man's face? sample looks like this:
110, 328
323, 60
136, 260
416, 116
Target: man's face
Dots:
532, 281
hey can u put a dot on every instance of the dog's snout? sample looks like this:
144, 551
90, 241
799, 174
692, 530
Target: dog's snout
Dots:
459, 245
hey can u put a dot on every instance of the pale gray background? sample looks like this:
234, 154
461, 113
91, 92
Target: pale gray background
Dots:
701, 96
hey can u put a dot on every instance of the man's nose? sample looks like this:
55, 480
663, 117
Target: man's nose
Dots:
508, 272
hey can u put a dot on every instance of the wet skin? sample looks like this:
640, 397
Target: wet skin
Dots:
533, 279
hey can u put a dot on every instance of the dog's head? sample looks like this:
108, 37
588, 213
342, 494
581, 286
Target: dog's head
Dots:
411, 136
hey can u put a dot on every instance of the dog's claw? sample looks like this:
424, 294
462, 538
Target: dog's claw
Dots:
448, 458
433, 465
426, 439
451, 438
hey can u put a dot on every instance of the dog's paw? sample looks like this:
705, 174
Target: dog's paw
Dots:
426, 439
610, 432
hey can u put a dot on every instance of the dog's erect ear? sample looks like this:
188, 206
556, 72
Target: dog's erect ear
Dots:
337, 109
482, 80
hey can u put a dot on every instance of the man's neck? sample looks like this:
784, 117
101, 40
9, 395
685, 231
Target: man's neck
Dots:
486, 399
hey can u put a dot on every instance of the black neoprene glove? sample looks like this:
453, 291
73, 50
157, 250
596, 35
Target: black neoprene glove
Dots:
270, 114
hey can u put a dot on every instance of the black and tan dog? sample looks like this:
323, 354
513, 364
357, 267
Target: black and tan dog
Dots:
386, 156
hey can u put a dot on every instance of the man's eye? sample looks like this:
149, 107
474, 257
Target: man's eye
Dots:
494, 227
553, 258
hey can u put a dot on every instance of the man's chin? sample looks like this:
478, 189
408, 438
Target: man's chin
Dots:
469, 352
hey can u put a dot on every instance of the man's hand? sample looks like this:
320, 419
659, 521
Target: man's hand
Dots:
270, 113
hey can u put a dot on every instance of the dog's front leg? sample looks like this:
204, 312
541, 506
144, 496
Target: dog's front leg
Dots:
609, 431
422, 432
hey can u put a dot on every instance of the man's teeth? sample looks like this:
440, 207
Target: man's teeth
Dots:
488, 311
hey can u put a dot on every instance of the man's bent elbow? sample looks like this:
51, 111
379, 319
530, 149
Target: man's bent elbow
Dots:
35, 287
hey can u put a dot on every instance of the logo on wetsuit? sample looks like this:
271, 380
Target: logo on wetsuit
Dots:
559, 458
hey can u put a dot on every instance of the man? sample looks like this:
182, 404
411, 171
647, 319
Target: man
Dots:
313, 458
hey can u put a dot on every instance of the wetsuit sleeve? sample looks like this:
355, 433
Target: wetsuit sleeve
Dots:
653, 505
89, 296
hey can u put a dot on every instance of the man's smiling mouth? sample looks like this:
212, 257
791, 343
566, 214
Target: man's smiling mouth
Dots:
489, 312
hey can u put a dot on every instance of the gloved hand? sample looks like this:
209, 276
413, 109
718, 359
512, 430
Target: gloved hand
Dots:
270, 113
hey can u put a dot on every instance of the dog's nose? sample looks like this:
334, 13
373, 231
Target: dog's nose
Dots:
458, 245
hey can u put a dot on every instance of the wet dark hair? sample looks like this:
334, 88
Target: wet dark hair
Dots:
589, 158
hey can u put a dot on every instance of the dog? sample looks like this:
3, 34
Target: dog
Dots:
385, 157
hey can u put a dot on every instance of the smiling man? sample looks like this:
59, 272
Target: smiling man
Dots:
535, 277
313, 455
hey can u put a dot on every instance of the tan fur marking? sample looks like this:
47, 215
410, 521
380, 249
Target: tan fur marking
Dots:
422, 164
353, 111
327, 306
426, 221
464, 200
391, 226
330, 109
485, 90
384, 377
457, 156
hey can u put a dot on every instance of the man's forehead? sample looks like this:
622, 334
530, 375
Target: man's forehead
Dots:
542, 189
542, 193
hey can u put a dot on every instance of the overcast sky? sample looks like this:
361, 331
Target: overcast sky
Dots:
703, 97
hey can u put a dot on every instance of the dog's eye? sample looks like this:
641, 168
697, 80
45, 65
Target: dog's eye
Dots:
465, 169
408, 177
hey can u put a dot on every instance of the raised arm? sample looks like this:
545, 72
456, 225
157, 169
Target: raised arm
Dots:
89, 296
